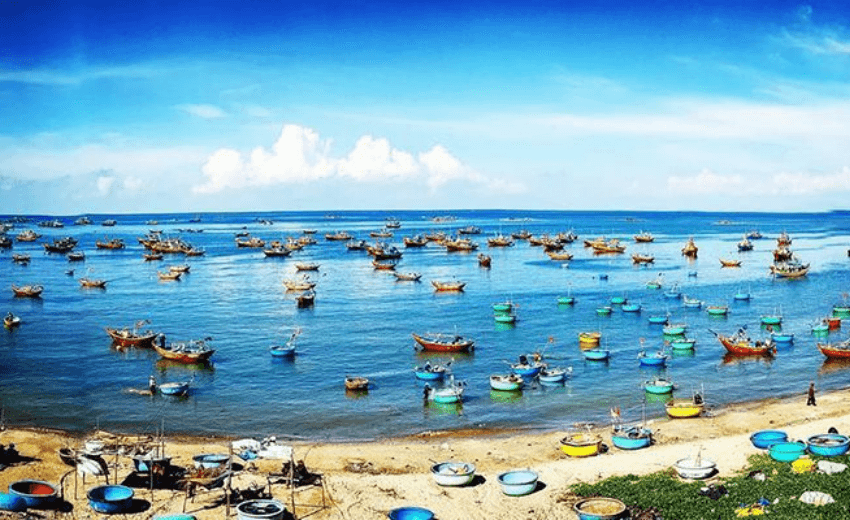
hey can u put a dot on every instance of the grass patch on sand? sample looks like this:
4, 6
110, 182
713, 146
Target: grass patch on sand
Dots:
676, 499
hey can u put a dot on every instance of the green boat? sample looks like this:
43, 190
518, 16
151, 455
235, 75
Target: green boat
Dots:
603, 311
503, 307
674, 330
771, 320
717, 310
841, 311
682, 343
618, 300
505, 318
566, 300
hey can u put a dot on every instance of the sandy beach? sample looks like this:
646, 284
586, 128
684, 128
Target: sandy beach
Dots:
363, 481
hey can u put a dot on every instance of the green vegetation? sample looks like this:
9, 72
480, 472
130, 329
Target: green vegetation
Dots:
675, 499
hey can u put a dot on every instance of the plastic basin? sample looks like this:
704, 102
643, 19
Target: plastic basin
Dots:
36, 493
518, 482
260, 509
110, 499
453, 473
10, 502
828, 444
599, 508
787, 451
410, 513
763, 439
693, 469
210, 460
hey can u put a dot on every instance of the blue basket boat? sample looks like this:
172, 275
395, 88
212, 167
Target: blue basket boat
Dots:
787, 451
566, 300
656, 359
110, 499
828, 444
430, 372
631, 438
282, 351
596, 354
518, 482
764, 439
658, 320
658, 386
36, 493
618, 300
674, 330
631, 307
603, 311
682, 343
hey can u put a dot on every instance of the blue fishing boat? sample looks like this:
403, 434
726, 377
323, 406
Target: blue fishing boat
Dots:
785, 338
526, 367
658, 386
596, 354
506, 382
828, 444
505, 318
682, 343
820, 329
503, 307
553, 375
841, 310
287, 350
653, 284
717, 310
691, 303
674, 329
673, 293
429, 372
655, 359
658, 320
631, 437
631, 307
741, 296
451, 393
618, 300
771, 320
175, 388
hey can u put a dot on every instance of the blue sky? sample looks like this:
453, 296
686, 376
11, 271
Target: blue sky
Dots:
211, 106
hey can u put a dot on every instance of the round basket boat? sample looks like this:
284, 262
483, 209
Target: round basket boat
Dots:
787, 451
763, 439
411, 513
695, 468
518, 482
36, 493
110, 499
260, 509
210, 460
453, 473
599, 508
10, 502
828, 444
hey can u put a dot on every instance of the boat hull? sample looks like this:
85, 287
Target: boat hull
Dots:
580, 446
834, 352
745, 349
684, 410
432, 345
125, 338
184, 357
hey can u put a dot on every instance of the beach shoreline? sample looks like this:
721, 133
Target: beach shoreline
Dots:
364, 480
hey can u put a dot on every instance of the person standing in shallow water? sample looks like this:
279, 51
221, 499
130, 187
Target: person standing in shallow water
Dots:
811, 400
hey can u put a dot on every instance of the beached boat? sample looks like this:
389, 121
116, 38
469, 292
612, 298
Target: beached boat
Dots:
581, 445
192, 351
644, 237
356, 383
839, 350
690, 250
683, 409
441, 286
407, 277
134, 336
11, 321
638, 258
740, 345
443, 342
506, 383
789, 270
92, 283
631, 437
28, 291
725, 262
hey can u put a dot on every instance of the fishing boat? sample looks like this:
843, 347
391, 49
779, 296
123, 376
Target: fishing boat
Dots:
381, 234
356, 383
654, 284
553, 375
681, 343
484, 260
631, 437
356, 245
839, 350
566, 300
149, 257
655, 359
596, 354
559, 256
820, 328
638, 258
92, 283
192, 351
506, 383
469, 230
783, 239
527, 366
115, 243
384, 265
604, 310
674, 329
631, 307
287, 350
754, 234
21, 258
300, 284
740, 345
725, 262
612, 246
460, 245
28, 291
431, 372
27, 235
11, 321
500, 241
618, 300
789, 270
338, 236
76, 256
306, 266
407, 277
306, 299
660, 319
589, 339
441, 286
443, 342
168, 275
504, 317
771, 319
644, 237
415, 241
276, 252
742, 296
690, 250
250, 242
691, 303
109, 222
506, 306
717, 310
451, 393
659, 385
133, 336
841, 310
581, 444
745, 244
174, 388
782, 254
782, 338
522, 234
673, 293
683, 409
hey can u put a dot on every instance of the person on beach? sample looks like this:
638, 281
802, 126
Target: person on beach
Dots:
811, 400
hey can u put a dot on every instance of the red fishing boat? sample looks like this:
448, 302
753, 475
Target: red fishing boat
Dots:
133, 337
740, 345
193, 351
835, 350
443, 343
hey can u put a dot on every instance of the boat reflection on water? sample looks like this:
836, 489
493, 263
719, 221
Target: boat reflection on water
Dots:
832, 366
504, 396
682, 353
356, 394
730, 359
164, 365
498, 325
658, 398
433, 408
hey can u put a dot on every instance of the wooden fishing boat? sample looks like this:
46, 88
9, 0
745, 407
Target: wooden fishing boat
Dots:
448, 286
27, 236
771, 319
500, 241
638, 258
301, 284
407, 277
192, 351
484, 260
149, 257
356, 245
443, 342
745, 244
11, 321
724, 262
783, 239
612, 246
740, 345
109, 222
168, 275
581, 445
356, 383
659, 319
754, 234
841, 310
839, 350
76, 256
61, 246
306, 299
384, 252
115, 243
133, 337
522, 234
384, 266
381, 234
789, 270
690, 250
338, 236
21, 258
683, 409
596, 242
194, 251
28, 291
654, 284
782, 254
279, 251
644, 237
306, 266
182, 268
527, 366
92, 283
250, 242
631, 307
469, 230
559, 257
506, 383
460, 245
415, 241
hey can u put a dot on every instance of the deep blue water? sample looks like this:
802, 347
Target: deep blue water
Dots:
59, 370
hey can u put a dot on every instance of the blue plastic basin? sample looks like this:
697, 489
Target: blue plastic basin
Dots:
10, 502
763, 439
787, 451
110, 499
411, 513
518, 483
828, 444
36, 493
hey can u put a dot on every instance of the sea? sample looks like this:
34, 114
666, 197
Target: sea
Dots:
60, 370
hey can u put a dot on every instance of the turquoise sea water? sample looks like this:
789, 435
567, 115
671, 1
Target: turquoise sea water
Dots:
59, 370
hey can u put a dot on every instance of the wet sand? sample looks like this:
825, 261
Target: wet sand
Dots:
364, 480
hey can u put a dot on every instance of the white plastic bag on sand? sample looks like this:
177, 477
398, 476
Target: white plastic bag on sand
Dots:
831, 467
276, 452
246, 444
816, 498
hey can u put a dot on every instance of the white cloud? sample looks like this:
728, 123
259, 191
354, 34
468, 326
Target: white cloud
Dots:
203, 111
811, 184
104, 185
299, 155
707, 182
